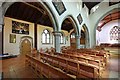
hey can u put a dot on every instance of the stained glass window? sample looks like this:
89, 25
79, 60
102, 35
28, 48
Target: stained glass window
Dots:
115, 33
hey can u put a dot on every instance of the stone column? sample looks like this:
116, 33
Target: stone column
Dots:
1, 35
77, 41
1, 30
57, 35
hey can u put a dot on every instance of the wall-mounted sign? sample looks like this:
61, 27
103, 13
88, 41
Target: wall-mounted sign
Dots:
20, 28
79, 17
12, 38
59, 6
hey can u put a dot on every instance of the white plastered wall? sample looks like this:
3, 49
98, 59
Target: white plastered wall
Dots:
74, 8
95, 17
40, 29
104, 35
14, 48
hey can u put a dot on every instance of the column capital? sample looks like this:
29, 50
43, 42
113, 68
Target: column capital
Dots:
57, 33
77, 36
1, 25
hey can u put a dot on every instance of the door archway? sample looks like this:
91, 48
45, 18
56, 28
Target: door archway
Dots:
25, 47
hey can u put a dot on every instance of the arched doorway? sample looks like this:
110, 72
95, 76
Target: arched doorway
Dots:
25, 47
84, 40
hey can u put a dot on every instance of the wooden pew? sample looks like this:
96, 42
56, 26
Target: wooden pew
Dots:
72, 67
62, 63
27, 60
38, 68
47, 71
55, 73
33, 63
87, 71
55, 61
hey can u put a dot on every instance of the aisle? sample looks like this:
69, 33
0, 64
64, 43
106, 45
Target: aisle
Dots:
15, 68
114, 67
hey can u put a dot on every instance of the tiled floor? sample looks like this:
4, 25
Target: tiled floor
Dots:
15, 68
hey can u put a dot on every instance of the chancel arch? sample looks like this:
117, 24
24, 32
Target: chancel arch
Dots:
107, 23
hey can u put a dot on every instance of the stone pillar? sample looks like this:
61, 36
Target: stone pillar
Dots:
57, 41
1, 30
1, 36
77, 41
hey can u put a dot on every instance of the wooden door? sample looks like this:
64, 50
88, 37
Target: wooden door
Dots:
73, 43
25, 47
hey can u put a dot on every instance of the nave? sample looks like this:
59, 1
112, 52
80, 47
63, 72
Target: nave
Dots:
16, 68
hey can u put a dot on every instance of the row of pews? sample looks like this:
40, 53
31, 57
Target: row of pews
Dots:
44, 70
76, 68
71, 64
97, 55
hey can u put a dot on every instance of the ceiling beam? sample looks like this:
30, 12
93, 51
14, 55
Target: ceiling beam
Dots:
41, 10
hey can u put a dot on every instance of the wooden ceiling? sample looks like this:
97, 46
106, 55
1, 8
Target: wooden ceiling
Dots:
67, 24
91, 3
114, 15
30, 11
34, 12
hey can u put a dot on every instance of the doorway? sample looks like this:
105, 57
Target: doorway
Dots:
25, 47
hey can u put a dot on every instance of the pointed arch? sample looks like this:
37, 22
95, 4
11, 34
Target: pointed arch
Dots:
96, 25
45, 37
85, 31
46, 7
74, 23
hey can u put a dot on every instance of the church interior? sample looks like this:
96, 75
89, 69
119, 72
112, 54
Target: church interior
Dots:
59, 39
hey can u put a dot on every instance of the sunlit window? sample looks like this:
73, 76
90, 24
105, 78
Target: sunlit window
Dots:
62, 38
72, 35
115, 33
46, 36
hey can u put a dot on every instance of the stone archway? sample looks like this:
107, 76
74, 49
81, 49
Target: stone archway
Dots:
6, 5
84, 40
98, 30
75, 43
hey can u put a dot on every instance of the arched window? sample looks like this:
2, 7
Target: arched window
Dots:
72, 35
62, 38
115, 33
46, 36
